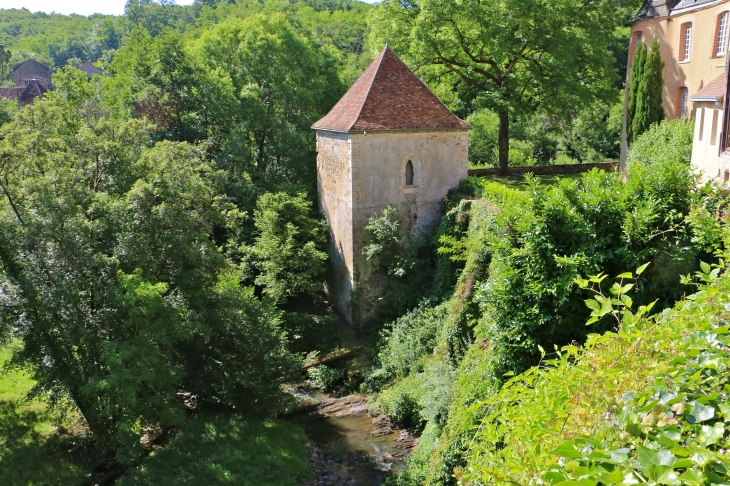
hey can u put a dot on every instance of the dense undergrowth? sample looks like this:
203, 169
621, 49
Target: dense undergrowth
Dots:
512, 259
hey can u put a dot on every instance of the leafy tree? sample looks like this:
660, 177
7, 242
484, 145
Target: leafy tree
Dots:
637, 73
649, 109
288, 252
517, 55
120, 296
266, 84
5, 56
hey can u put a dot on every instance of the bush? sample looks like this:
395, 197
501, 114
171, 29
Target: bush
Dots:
324, 377
400, 403
664, 144
647, 402
483, 140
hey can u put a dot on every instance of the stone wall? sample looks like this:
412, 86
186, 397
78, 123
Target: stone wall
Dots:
359, 175
334, 183
440, 162
548, 169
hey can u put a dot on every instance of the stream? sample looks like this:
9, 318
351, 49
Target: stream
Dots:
349, 444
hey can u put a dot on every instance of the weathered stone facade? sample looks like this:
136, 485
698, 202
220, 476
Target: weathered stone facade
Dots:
359, 175
388, 142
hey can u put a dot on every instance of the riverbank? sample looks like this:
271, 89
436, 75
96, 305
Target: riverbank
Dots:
351, 442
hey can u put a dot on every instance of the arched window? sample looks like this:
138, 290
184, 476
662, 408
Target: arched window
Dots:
409, 173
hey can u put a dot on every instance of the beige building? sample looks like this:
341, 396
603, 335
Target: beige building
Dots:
693, 38
388, 141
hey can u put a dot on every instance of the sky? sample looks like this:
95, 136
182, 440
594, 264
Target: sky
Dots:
81, 7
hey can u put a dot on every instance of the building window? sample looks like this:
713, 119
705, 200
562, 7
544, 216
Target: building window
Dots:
409, 173
27, 81
638, 39
682, 102
713, 139
685, 42
721, 35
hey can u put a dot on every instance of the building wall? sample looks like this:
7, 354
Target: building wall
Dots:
694, 74
440, 162
32, 70
334, 183
705, 148
359, 175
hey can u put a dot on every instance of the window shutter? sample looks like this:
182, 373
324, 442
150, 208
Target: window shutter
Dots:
682, 33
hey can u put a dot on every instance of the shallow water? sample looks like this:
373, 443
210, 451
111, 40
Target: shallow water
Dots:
350, 444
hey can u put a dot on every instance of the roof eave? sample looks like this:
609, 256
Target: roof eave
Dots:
697, 99
360, 130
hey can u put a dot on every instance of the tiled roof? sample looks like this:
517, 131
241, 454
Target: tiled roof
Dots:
31, 92
654, 8
10, 93
34, 63
713, 91
388, 96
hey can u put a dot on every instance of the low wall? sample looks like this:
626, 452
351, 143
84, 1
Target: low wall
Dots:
547, 169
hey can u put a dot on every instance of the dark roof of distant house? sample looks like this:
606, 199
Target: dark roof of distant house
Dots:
388, 96
31, 92
11, 93
713, 91
32, 61
662, 8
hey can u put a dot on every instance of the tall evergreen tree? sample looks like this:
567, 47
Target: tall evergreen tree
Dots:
636, 75
649, 108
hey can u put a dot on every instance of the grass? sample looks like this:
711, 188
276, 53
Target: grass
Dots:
519, 182
37, 449
228, 450
35, 446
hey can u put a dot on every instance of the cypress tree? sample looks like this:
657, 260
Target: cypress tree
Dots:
636, 75
649, 109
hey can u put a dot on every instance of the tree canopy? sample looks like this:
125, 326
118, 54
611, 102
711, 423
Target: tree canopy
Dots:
517, 55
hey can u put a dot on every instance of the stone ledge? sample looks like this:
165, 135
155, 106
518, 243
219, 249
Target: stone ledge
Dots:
547, 169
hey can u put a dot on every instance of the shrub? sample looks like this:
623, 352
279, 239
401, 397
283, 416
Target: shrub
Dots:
646, 403
324, 377
484, 138
400, 403
662, 145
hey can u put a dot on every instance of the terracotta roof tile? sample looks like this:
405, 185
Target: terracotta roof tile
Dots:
388, 96
714, 89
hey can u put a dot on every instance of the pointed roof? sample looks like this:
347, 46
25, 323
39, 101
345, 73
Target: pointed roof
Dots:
713, 91
388, 96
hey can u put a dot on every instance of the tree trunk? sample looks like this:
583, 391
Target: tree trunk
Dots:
503, 143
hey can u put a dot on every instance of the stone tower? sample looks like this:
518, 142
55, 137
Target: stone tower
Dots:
388, 141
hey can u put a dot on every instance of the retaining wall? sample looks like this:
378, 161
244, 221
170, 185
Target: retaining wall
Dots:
547, 169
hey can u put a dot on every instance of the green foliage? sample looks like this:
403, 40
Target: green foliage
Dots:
120, 297
407, 343
522, 254
36, 446
288, 252
483, 139
324, 377
664, 144
402, 257
501, 50
649, 110
644, 404
637, 74
224, 450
